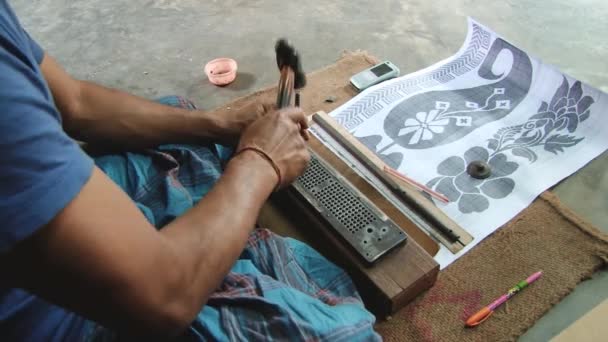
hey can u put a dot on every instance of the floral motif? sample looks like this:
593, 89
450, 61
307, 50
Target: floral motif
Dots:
446, 117
567, 109
423, 126
471, 193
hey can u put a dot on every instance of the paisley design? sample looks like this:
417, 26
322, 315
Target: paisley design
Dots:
393, 160
439, 117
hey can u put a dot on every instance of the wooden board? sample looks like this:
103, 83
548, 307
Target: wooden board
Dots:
390, 283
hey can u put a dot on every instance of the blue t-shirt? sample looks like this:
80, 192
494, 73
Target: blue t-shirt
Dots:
41, 171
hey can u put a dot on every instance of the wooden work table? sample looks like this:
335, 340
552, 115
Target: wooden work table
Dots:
398, 277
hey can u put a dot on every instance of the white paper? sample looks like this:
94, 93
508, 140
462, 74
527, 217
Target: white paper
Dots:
490, 102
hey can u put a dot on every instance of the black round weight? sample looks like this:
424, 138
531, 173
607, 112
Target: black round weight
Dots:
479, 169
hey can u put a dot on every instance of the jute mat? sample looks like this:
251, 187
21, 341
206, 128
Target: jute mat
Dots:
546, 236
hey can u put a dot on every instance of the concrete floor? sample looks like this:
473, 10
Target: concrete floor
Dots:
158, 47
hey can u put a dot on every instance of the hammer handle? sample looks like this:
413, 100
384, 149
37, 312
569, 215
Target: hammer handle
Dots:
286, 87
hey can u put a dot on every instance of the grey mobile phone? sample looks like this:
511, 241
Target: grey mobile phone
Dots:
374, 75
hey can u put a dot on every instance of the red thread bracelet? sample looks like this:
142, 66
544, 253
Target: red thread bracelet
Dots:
265, 155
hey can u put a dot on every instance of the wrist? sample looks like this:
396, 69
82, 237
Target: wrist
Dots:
257, 168
209, 125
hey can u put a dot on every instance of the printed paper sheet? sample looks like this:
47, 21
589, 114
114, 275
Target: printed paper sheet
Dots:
489, 102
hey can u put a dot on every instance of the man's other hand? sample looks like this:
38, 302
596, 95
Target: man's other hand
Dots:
233, 121
281, 134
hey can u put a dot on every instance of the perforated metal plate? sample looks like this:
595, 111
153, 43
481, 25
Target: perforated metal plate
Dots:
358, 221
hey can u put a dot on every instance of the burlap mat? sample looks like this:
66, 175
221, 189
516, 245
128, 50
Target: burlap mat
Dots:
546, 236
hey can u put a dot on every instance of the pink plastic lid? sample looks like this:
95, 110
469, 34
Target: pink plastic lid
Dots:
221, 71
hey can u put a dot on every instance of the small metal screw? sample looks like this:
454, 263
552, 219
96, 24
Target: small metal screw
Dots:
330, 99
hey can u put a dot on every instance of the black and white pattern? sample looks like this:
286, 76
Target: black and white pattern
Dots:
491, 102
550, 130
440, 117
370, 104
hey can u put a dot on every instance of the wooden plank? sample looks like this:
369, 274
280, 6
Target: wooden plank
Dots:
385, 287
390, 283
448, 231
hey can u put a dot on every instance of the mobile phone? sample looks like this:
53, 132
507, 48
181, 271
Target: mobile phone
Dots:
374, 75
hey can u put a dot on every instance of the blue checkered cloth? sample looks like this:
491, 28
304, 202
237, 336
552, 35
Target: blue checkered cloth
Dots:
279, 289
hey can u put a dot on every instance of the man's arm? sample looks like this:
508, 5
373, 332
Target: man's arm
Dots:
102, 259
96, 114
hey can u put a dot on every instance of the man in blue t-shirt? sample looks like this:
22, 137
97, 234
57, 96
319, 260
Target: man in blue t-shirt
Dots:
71, 237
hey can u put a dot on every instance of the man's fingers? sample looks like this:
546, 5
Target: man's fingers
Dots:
305, 134
269, 107
260, 110
297, 116
306, 122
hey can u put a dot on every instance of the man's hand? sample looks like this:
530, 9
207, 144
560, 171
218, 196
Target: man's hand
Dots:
281, 135
233, 121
